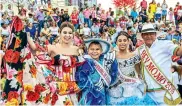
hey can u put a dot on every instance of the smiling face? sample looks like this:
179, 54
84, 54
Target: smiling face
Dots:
122, 42
67, 35
95, 50
149, 38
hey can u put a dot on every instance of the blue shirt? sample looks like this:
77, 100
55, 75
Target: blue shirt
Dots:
32, 31
95, 29
134, 14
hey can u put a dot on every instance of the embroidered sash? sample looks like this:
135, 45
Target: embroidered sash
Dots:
108, 60
102, 72
172, 96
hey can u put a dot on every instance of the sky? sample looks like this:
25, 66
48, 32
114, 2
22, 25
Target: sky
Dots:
109, 3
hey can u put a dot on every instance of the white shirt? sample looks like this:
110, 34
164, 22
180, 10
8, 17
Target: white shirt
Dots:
159, 10
179, 12
10, 12
161, 52
164, 6
176, 79
86, 31
54, 30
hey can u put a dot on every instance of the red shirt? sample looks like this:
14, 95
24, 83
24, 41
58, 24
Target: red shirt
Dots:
176, 10
143, 4
74, 18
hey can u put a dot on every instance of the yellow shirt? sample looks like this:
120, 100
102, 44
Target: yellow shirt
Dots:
153, 7
150, 15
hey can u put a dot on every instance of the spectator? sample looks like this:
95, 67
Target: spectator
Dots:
40, 16
80, 30
4, 30
65, 16
87, 14
95, 29
130, 22
153, 6
134, 14
4, 19
177, 36
176, 13
171, 13
103, 16
164, 10
158, 12
143, 14
94, 15
10, 11
53, 31
30, 18
32, 30
143, 4
111, 19
81, 17
180, 15
159, 23
2, 10
45, 33
74, 19
86, 31
23, 11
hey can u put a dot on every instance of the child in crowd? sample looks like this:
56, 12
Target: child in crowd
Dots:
171, 13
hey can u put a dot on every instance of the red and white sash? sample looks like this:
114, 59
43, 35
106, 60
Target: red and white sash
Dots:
172, 96
101, 70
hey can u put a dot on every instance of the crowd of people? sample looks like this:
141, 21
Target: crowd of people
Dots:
131, 56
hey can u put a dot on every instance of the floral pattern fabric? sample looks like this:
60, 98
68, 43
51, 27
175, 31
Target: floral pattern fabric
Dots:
60, 76
22, 86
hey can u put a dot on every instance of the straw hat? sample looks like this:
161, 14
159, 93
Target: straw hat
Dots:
147, 28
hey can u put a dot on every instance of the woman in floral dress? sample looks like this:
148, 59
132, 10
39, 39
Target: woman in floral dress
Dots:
22, 86
59, 69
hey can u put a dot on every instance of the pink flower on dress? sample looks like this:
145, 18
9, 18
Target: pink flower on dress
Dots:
52, 87
11, 73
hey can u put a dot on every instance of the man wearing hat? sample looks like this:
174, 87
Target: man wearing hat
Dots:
156, 62
40, 16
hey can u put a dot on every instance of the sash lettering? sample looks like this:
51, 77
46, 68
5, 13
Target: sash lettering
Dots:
158, 76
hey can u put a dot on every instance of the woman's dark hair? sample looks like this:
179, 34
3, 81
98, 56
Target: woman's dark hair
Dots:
122, 33
66, 24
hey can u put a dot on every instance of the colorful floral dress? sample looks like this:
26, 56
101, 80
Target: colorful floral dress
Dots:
60, 76
23, 85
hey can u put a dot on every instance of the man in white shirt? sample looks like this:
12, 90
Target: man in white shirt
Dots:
158, 52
